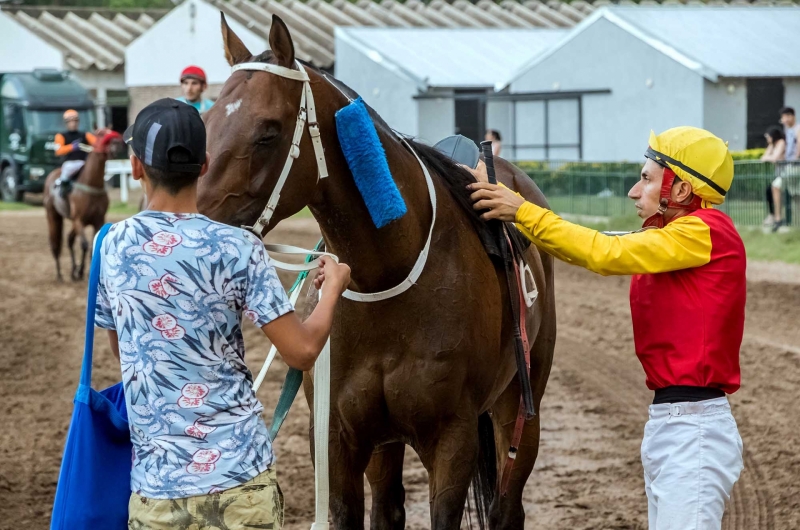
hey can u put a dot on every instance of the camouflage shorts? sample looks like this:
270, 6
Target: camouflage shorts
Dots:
255, 504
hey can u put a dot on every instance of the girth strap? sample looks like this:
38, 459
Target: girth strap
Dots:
519, 425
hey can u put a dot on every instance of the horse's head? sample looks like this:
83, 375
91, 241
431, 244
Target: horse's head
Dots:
250, 130
110, 143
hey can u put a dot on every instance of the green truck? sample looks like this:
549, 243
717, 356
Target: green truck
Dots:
31, 108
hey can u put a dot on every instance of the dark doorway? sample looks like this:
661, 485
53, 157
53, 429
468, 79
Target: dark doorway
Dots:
119, 119
471, 113
764, 102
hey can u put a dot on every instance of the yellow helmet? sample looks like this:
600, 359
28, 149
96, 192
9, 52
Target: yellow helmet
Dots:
696, 156
71, 115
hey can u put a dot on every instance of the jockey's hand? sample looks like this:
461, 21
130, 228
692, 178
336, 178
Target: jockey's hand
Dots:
76, 145
501, 202
335, 276
479, 172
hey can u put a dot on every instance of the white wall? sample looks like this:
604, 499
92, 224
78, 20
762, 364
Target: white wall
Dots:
437, 117
390, 94
178, 40
499, 117
648, 90
22, 50
725, 111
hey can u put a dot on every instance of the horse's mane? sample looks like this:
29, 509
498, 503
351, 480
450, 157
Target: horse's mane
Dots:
454, 177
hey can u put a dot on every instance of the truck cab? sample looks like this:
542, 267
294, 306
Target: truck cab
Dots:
31, 108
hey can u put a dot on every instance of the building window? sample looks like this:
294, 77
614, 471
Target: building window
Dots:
547, 129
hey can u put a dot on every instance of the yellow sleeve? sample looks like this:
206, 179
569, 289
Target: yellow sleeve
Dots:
682, 244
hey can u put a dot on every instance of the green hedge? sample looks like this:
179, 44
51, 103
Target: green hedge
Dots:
748, 154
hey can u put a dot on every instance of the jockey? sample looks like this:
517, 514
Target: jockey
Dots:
193, 84
68, 146
687, 301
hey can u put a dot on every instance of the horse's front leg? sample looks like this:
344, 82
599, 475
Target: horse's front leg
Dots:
348, 460
385, 475
84, 250
450, 460
73, 234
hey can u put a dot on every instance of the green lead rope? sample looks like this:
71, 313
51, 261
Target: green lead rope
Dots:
294, 377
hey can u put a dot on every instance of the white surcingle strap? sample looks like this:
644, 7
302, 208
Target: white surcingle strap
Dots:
306, 114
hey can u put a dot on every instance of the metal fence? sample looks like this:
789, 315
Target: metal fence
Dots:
601, 188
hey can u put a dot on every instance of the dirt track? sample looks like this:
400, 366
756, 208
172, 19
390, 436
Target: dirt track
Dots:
588, 475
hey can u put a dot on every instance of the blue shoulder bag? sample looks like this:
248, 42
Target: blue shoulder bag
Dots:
94, 484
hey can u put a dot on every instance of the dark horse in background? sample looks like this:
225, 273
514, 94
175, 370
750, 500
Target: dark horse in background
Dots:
423, 368
86, 204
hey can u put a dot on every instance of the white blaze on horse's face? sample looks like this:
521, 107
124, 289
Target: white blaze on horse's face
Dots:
230, 108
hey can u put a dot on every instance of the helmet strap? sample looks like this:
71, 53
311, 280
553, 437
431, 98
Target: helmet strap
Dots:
665, 202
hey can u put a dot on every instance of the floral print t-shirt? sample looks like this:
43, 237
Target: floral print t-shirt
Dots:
174, 287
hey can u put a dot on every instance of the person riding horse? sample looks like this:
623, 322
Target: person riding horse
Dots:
68, 145
688, 291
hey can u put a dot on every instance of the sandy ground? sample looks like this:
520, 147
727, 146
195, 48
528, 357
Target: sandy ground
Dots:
588, 475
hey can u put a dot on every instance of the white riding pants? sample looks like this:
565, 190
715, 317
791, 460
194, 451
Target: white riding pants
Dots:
692, 457
70, 167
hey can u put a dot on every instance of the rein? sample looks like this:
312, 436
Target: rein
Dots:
308, 113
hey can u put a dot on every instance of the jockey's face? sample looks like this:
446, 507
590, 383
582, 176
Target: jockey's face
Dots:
72, 125
647, 192
192, 89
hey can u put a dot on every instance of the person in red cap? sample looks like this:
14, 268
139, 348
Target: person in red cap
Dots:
193, 84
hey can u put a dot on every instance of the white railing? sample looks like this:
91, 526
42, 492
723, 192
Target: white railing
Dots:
123, 169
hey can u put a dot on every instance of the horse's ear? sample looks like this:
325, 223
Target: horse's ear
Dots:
280, 42
235, 50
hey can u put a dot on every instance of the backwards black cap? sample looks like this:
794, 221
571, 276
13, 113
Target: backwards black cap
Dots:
162, 129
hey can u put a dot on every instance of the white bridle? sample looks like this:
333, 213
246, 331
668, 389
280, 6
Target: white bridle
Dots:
308, 112
322, 366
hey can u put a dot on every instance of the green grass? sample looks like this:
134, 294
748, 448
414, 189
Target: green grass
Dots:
771, 247
15, 206
122, 209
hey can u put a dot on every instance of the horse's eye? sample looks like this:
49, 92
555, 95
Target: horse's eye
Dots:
266, 139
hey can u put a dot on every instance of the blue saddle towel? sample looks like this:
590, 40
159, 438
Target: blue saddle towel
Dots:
367, 162
94, 484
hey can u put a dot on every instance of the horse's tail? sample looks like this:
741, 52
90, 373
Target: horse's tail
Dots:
484, 481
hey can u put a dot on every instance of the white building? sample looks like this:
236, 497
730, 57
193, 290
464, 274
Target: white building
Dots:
188, 35
626, 70
432, 83
88, 43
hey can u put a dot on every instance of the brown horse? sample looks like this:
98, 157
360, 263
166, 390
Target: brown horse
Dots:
421, 368
86, 204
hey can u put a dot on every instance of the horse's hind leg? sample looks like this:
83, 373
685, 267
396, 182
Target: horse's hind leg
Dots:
385, 475
506, 511
451, 461
55, 226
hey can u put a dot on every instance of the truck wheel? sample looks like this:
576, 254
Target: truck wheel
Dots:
8, 186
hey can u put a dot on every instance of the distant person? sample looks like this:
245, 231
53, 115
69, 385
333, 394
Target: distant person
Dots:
493, 135
68, 146
775, 152
791, 131
193, 84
